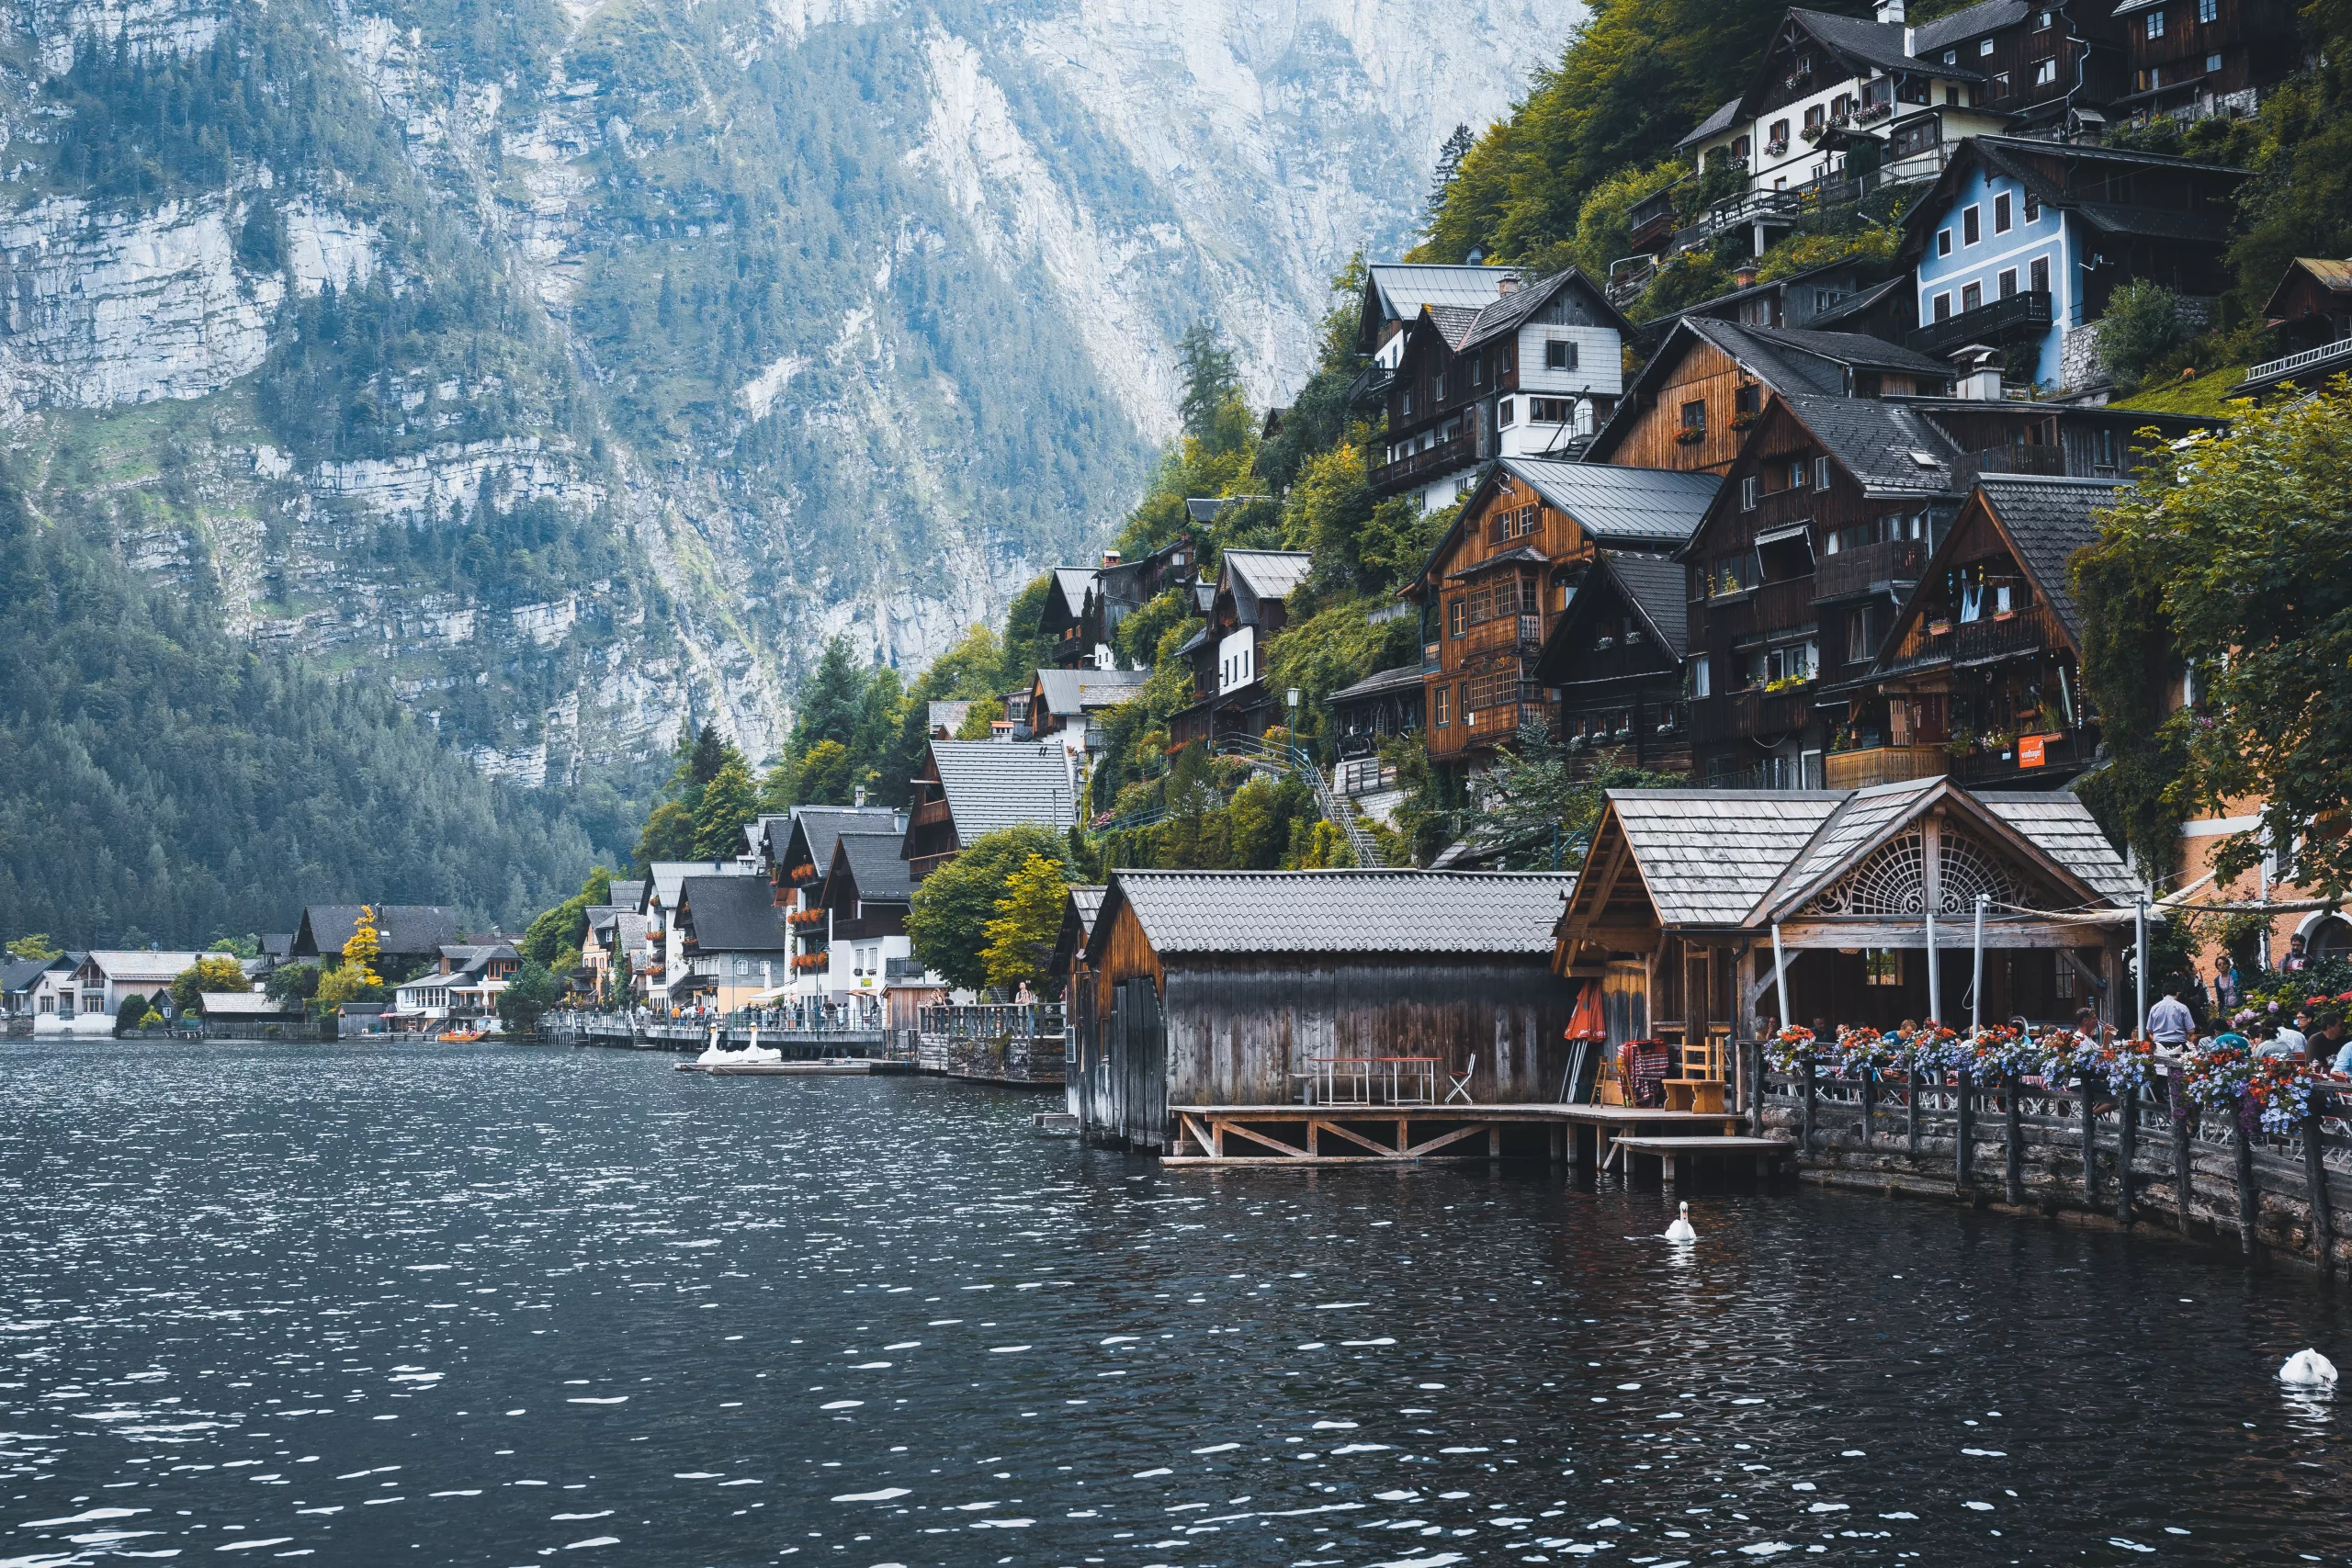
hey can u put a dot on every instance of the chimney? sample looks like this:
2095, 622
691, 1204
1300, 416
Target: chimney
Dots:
1890, 13
1977, 370
1745, 275
1507, 284
1110, 559
858, 795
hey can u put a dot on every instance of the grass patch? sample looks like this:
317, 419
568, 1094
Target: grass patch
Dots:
2209, 394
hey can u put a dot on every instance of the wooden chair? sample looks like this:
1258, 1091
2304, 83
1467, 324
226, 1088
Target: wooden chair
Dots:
1699, 1080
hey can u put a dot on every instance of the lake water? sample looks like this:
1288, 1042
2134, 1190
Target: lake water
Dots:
489, 1305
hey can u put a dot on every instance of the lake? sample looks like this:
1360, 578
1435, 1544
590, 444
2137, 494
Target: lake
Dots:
481, 1305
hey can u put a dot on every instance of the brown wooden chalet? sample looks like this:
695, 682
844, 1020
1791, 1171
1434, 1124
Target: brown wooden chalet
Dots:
1869, 892
2312, 309
1071, 619
868, 888
971, 788
1691, 405
1616, 656
1230, 695
1980, 677
1534, 372
2198, 58
1500, 577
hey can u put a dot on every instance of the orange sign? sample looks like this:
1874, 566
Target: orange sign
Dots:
2030, 750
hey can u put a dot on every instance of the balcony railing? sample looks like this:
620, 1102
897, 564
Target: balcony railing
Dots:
2048, 459
1885, 764
2019, 315
1443, 457
2334, 356
1742, 715
1869, 568
2017, 634
2059, 752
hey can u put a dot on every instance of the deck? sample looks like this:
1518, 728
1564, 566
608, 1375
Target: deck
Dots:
1303, 1136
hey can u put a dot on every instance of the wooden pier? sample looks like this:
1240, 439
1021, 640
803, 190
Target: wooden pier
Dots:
1590, 1136
852, 1069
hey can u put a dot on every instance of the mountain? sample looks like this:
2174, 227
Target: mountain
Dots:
564, 370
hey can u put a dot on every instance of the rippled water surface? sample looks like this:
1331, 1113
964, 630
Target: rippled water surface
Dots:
486, 1306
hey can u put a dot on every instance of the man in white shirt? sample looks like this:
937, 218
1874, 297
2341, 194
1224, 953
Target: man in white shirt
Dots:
2291, 1036
2169, 1022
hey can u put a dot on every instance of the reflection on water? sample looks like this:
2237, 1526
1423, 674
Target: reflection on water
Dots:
481, 1306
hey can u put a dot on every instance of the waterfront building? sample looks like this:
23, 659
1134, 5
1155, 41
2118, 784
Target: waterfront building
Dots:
969, 788
661, 967
1685, 892
246, 1015
22, 993
616, 932
1231, 694
104, 978
1237, 987
798, 851
2022, 243
406, 934
868, 893
731, 941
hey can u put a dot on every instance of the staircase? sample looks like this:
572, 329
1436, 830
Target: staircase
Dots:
1273, 758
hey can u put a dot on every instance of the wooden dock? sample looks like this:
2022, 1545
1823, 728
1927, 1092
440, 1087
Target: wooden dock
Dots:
835, 1069
1305, 1136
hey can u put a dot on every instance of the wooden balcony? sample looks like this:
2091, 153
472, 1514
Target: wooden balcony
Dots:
2003, 321
1420, 467
2019, 634
1886, 565
1885, 764
1754, 712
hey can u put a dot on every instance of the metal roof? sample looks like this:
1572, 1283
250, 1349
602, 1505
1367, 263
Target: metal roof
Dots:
1714, 124
733, 914
137, 964
1618, 504
1378, 682
1248, 912
1269, 574
1069, 693
991, 784
876, 865
667, 874
1404, 287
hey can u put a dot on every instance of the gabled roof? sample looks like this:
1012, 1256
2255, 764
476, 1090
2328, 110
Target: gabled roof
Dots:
874, 867
665, 875
1857, 305
1069, 693
2336, 276
815, 829
22, 973
1506, 312
1714, 124
1620, 505
2044, 520
1968, 22
1396, 291
277, 945
1707, 855
989, 785
2067, 834
2014, 156
1263, 575
1891, 449
1658, 589
1867, 43
1066, 595
400, 928
1079, 910
243, 1004
1404, 677
1249, 912
732, 914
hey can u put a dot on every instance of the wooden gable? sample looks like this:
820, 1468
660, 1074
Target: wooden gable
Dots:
1611, 908
1703, 376
1504, 514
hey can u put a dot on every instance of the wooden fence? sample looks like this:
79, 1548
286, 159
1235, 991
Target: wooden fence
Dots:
2208, 1175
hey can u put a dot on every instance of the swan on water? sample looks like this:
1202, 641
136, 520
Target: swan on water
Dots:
2308, 1369
1680, 1231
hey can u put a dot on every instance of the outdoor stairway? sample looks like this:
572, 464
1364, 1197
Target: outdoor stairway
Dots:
1273, 757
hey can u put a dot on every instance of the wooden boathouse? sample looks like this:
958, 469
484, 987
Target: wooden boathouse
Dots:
1271, 988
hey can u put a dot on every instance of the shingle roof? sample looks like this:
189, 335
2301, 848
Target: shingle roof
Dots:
1876, 443
1798, 346
140, 967
989, 785
2049, 519
1069, 693
1404, 287
876, 866
1708, 855
1377, 682
1968, 22
1622, 505
1658, 591
1875, 43
2063, 828
400, 928
1506, 311
666, 874
1714, 124
733, 914
627, 894
1086, 897
21, 973
1454, 322
1857, 820
1243, 912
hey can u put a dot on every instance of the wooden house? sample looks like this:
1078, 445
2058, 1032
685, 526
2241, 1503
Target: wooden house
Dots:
1501, 575
1069, 977
732, 943
407, 936
1871, 896
2312, 309
1690, 407
969, 788
1071, 618
1813, 297
1531, 373
869, 894
1066, 702
2194, 59
1123, 587
798, 851
1230, 695
1382, 706
1229, 987
1980, 674
1616, 656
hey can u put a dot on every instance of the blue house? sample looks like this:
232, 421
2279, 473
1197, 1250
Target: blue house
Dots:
2021, 241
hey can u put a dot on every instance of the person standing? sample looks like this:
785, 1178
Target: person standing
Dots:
2170, 1021
2295, 958
2225, 986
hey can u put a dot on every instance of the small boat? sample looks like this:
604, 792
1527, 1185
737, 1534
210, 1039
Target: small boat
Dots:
459, 1037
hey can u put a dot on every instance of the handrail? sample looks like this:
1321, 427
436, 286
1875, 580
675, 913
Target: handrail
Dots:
2341, 348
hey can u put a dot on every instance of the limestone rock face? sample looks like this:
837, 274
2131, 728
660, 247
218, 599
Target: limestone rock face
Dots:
583, 377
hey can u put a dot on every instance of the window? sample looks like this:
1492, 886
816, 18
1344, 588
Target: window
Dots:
2041, 22
1972, 225
1943, 306
1972, 296
1404, 402
1748, 489
1462, 704
1731, 574
1748, 401
2209, 10
2046, 73
1478, 370
1550, 411
1702, 677
2001, 219
2001, 85
1504, 368
1952, 57
1694, 416
1558, 356
2033, 208
1796, 473
1779, 137
1454, 617
1441, 705
1440, 396
1859, 644
2212, 64
1813, 118
2008, 282
2038, 275
1821, 473
1985, 48
2103, 448
1504, 411
2156, 24
1943, 248
1882, 966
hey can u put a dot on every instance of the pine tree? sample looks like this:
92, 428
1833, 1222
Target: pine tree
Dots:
1210, 378
831, 700
728, 802
1449, 165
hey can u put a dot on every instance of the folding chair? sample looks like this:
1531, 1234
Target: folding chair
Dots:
1460, 1083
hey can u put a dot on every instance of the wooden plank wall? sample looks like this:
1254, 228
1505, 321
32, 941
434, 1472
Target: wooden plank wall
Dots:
1705, 373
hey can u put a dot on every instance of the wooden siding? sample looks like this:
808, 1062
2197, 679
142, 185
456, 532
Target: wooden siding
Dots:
1500, 649
1706, 375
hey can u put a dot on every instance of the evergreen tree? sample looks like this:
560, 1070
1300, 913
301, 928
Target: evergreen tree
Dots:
1210, 380
1449, 166
728, 802
831, 698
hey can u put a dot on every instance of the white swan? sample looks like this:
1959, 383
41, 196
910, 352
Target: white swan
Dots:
2308, 1369
1680, 1231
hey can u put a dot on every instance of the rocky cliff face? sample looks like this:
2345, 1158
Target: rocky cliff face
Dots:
573, 368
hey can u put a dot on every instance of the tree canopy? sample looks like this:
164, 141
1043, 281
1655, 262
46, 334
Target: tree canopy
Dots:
949, 921
1027, 922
